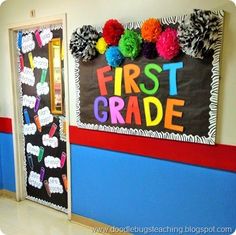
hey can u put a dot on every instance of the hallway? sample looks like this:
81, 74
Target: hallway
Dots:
28, 218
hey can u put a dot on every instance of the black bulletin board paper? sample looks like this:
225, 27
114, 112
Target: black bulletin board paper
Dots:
55, 200
197, 85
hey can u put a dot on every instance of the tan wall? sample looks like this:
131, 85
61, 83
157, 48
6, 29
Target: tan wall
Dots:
96, 12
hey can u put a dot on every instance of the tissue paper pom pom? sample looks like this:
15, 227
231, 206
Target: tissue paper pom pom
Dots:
198, 33
83, 42
113, 56
130, 44
112, 32
149, 50
151, 30
167, 44
101, 45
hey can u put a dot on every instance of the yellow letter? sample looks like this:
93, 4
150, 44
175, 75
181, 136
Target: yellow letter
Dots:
159, 114
118, 80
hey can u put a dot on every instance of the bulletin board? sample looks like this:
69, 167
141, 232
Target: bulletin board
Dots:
43, 131
183, 107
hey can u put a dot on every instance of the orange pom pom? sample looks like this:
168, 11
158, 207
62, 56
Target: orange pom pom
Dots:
151, 30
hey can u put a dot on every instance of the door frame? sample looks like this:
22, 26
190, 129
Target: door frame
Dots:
17, 112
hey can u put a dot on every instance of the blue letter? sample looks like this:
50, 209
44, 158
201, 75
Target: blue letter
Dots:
172, 76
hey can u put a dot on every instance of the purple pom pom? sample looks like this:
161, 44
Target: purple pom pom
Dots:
149, 50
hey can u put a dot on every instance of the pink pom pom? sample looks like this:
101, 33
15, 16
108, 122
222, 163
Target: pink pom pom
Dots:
167, 45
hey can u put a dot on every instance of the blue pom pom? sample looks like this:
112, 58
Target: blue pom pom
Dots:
113, 56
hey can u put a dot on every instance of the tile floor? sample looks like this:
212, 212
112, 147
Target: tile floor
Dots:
29, 218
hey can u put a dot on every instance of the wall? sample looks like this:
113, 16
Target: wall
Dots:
122, 189
96, 13
126, 190
1, 183
7, 172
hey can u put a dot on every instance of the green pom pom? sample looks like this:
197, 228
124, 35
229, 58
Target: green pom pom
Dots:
130, 44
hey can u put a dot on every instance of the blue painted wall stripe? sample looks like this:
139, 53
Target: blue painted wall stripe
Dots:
1, 184
127, 190
7, 172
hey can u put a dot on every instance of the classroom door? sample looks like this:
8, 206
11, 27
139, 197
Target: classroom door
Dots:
41, 91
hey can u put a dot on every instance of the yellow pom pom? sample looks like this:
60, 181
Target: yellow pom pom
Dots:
101, 45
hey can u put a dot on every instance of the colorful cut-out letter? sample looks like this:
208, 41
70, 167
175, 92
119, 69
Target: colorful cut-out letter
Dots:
118, 80
131, 72
172, 67
170, 113
133, 110
153, 77
159, 110
100, 116
102, 80
116, 104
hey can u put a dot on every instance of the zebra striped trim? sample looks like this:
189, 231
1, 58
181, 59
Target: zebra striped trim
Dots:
62, 119
40, 28
210, 139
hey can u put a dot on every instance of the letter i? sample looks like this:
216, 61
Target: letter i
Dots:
63, 159
37, 103
65, 182
26, 115
52, 130
43, 75
30, 56
38, 38
30, 161
21, 63
42, 173
118, 80
19, 39
37, 122
46, 185
41, 153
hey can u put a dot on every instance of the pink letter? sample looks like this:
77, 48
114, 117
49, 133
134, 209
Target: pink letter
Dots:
116, 104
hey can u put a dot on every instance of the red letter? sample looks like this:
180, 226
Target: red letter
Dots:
133, 109
102, 79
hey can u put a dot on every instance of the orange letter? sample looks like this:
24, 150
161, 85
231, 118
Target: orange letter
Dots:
133, 108
129, 77
102, 79
170, 112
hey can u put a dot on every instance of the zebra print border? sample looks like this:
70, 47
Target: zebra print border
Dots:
210, 139
62, 119
40, 28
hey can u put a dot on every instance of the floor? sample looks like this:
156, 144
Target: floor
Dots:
29, 218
